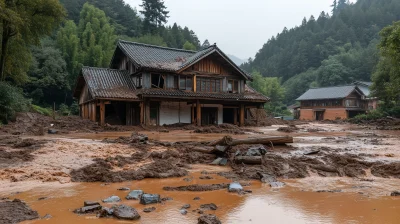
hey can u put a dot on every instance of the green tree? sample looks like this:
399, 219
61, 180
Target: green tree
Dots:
155, 14
97, 37
386, 79
11, 101
189, 46
27, 20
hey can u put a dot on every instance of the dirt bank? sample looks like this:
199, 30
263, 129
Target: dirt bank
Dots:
16, 211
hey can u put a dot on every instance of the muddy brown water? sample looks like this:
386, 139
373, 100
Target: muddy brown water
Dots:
265, 205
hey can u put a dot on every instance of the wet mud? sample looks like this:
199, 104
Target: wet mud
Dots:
16, 211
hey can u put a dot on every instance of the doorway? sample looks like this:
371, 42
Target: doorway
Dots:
229, 116
319, 115
209, 115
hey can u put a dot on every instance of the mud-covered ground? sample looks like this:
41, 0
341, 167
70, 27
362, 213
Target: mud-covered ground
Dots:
319, 150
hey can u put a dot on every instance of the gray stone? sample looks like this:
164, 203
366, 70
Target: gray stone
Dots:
134, 195
146, 199
277, 184
151, 209
196, 198
256, 151
126, 212
210, 206
186, 206
47, 216
220, 161
105, 212
395, 193
112, 199
52, 131
88, 209
235, 187
183, 211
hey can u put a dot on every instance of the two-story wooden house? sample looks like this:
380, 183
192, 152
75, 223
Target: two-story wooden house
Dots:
154, 85
331, 103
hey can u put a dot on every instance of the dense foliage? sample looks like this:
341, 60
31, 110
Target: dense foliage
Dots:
11, 101
333, 49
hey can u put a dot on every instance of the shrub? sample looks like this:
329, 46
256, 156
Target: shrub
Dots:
41, 110
371, 115
12, 101
74, 108
64, 110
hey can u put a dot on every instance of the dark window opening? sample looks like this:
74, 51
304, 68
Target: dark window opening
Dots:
233, 86
157, 81
127, 66
185, 82
138, 81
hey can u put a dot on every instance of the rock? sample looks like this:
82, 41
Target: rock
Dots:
123, 189
126, 212
395, 193
312, 152
88, 209
183, 211
196, 198
112, 199
208, 219
42, 198
235, 187
134, 195
167, 199
220, 161
151, 209
105, 212
256, 151
146, 199
220, 149
188, 179
90, 203
47, 216
277, 184
206, 178
210, 206
266, 178
52, 131
186, 206
329, 191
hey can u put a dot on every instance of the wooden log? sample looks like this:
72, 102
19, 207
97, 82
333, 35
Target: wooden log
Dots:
208, 150
277, 140
248, 159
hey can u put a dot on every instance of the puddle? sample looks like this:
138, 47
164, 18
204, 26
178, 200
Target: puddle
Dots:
286, 205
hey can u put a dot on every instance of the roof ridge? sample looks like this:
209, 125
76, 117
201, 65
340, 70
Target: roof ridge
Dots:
155, 46
101, 68
332, 86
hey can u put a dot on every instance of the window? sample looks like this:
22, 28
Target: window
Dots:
127, 66
185, 82
352, 103
208, 85
157, 81
233, 86
138, 81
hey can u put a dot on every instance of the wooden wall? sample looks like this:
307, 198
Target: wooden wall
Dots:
210, 65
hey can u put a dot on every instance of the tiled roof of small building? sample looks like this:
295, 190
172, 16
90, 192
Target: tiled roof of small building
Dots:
109, 83
336, 92
168, 59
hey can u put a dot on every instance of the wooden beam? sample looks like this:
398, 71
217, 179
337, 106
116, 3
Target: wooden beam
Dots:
102, 113
141, 113
147, 113
193, 119
198, 117
241, 115
235, 116
194, 83
94, 111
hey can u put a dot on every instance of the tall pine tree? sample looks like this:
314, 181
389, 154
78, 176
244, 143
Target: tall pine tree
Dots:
155, 14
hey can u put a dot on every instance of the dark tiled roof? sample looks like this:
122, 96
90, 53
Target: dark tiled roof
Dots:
186, 94
337, 92
109, 83
169, 59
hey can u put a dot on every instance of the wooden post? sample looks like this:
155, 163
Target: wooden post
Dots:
198, 113
257, 116
147, 113
102, 113
194, 83
94, 111
235, 116
193, 119
241, 115
141, 112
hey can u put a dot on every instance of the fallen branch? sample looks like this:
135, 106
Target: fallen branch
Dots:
277, 140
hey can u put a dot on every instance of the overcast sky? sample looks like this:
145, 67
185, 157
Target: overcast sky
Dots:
240, 27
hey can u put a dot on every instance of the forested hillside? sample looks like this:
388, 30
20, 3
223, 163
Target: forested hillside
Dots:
334, 48
45, 43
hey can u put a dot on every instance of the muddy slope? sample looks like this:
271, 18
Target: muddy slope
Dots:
16, 211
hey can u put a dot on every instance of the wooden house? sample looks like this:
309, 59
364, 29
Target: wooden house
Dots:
331, 103
154, 85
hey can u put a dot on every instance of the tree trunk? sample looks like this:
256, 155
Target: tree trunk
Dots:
4, 44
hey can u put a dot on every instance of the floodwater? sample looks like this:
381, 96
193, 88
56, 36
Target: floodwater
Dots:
289, 204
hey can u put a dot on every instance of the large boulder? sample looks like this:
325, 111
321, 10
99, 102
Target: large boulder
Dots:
134, 195
208, 219
395, 193
125, 212
235, 187
146, 199
112, 199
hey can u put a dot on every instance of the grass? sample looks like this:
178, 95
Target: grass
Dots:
41, 110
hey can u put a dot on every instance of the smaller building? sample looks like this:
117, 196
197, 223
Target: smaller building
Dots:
332, 103
371, 101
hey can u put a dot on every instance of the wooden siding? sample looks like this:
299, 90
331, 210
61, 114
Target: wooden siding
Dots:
209, 65
126, 64
85, 95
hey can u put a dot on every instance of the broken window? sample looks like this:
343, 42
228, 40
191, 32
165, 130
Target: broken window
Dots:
233, 86
185, 82
157, 81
